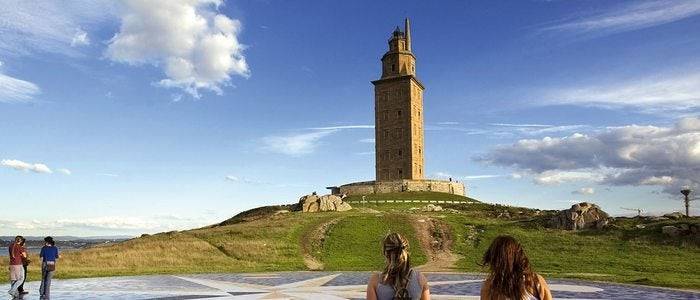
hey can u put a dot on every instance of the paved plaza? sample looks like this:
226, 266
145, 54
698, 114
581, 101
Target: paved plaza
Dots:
312, 285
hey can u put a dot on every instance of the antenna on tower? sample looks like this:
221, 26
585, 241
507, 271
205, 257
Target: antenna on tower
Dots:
407, 30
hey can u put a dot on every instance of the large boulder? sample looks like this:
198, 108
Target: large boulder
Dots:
580, 216
315, 203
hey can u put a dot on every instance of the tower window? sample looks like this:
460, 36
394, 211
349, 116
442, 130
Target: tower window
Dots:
400, 172
398, 113
419, 113
393, 67
400, 153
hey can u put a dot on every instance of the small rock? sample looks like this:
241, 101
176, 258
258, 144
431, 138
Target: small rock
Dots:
431, 207
656, 219
640, 226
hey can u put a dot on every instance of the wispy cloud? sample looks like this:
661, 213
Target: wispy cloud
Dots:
476, 177
305, 142
368, 141
245, 180
519, 125
344, 127
64, 171
13, 90
584, 191
24, 166
30, 27
107, 174
295, 144
667, 92
629, 16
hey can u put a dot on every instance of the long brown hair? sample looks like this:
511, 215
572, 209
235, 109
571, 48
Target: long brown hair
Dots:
398, 264
510, 274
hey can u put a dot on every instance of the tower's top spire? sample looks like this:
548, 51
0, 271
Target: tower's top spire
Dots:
407, 32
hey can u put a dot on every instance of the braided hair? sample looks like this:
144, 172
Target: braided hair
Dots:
398, 264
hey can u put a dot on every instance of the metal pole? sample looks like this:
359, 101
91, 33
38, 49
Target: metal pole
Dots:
686, 193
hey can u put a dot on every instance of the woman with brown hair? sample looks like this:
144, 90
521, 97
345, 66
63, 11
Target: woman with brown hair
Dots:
510, 276
398, 280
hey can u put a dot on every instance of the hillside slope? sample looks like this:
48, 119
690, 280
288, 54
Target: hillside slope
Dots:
267, 239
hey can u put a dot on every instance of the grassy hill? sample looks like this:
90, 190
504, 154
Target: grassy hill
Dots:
271, 239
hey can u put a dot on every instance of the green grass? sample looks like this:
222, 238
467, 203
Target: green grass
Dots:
354, 243
605, 256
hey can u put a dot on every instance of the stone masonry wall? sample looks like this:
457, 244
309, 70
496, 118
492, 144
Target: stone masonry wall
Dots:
380, 187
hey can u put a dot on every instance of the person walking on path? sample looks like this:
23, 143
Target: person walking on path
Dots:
510, 276
49, 255
25, 264
17, 254
398, 280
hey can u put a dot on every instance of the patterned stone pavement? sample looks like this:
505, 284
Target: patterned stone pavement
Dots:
312, 285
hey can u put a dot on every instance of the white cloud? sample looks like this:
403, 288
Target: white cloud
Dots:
442, 175
368, 141
344, 127
446, 123
584, 191
109, 224
476, 177
661, 93
668, 157
554, 177
64, 171
13, 90
30, 27
519, 125
80, 39
197, 47
243, 180
304, 143
24, 166
627, 17
107, 174
297, 144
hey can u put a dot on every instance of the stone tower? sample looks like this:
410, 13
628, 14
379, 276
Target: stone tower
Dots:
398, 112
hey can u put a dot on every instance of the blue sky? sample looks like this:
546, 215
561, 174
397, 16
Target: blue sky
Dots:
136, 116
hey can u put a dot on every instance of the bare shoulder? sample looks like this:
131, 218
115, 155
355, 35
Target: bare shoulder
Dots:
373, 279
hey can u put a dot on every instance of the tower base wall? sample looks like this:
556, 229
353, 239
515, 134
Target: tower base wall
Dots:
404, 185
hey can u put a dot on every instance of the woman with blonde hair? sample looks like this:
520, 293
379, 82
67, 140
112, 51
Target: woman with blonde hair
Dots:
398, 280
510, 276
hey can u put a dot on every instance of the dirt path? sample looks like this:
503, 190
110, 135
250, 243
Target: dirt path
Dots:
313, 241
436, 238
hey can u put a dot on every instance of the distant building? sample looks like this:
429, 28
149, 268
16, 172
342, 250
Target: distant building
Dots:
398, 119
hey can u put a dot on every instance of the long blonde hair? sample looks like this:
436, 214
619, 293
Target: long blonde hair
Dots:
398, 264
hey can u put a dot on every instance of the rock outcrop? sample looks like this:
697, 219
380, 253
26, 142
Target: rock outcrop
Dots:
580, 216
315, 203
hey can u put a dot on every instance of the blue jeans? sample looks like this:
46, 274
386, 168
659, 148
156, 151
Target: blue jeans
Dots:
45, 288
